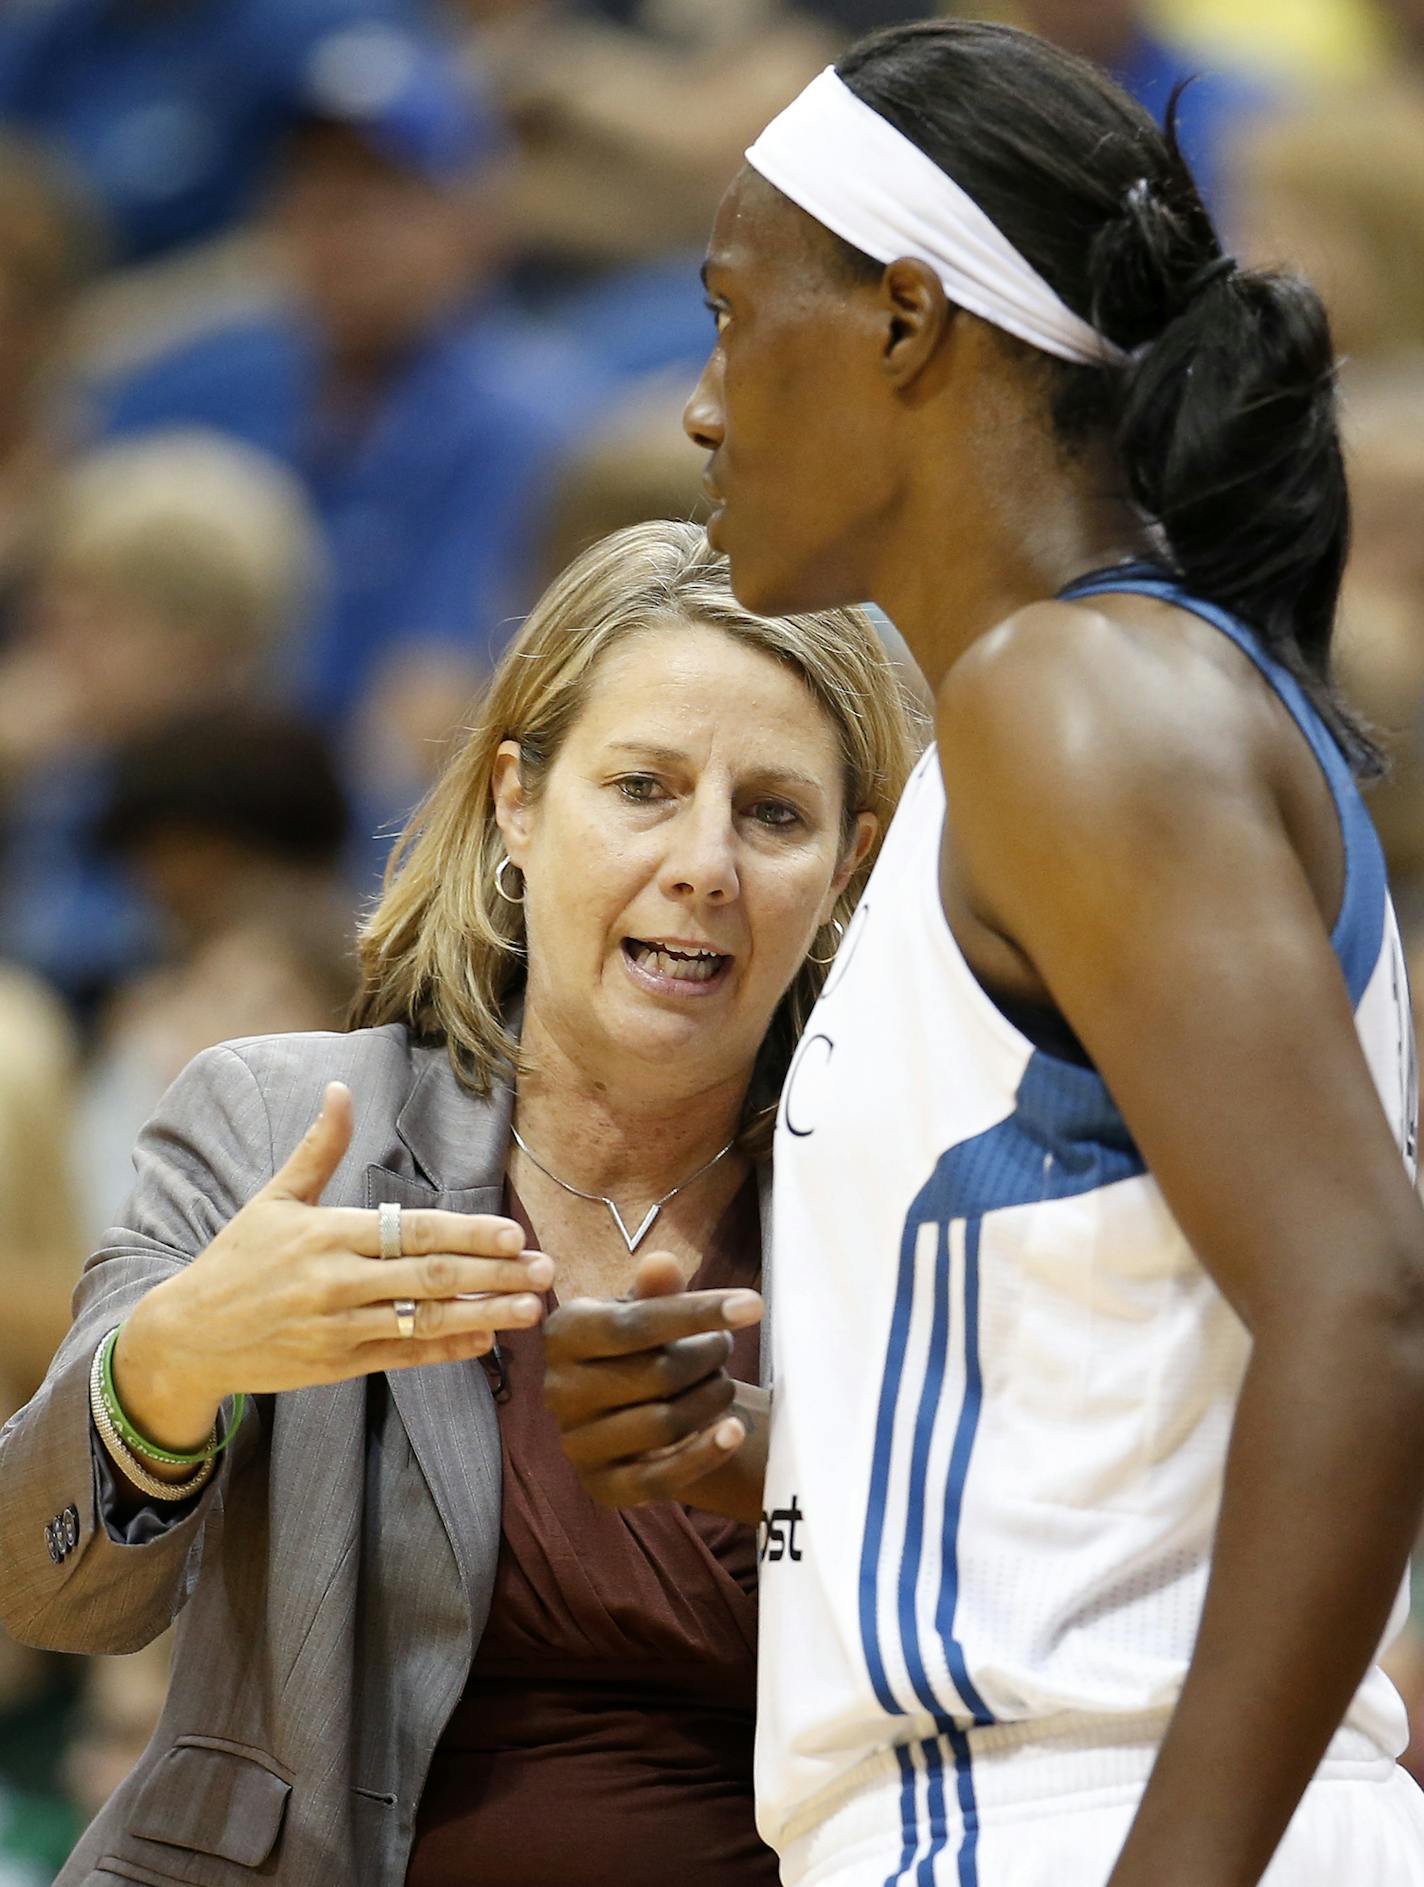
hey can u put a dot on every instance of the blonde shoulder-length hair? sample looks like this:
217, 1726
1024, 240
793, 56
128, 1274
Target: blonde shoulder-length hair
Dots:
443, 951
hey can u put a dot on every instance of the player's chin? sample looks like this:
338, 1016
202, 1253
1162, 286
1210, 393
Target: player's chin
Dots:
762, 581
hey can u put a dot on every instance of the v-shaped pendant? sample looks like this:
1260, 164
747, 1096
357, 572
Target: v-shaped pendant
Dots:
633, 1239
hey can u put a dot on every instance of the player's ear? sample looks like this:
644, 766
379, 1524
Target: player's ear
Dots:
915, 313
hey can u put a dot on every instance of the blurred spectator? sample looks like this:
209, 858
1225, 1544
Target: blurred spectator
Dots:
222, 813
49, 245
631, 119
235, 824
1381, 645
1126, 38
1337, 190
687, 17
1406, 21
1381, 665
1308, 42
41, 1252
635, 467
38, 1702
420, 411
118, 1708
170, 107
39, 1262
169, 572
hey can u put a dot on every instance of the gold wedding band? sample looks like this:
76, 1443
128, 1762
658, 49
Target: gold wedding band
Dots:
388, 1228
404, 1308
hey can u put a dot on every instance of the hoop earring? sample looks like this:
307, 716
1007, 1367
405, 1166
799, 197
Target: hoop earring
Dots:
822, 963
499, 872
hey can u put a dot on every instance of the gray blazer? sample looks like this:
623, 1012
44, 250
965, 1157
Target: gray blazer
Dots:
332, 1581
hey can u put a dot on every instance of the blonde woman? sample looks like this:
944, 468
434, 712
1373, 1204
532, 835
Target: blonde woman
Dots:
169, 575
411, 1648
41, 1251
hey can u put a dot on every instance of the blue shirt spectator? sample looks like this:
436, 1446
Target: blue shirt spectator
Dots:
852, 17
428, 509
73, 917
166, 572
1121, 35
421, 414
170, 110
1215, 105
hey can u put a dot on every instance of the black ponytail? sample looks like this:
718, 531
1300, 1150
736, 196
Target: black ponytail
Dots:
1224, 418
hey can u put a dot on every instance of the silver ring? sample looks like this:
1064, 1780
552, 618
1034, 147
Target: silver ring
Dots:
404, 1308
388, 1228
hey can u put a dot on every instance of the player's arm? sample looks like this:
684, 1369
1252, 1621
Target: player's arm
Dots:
1139, 860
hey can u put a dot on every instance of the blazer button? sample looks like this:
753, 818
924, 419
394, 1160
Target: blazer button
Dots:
52, 1542
71, 1527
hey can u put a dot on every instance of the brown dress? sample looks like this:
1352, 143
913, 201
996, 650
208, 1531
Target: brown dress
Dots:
604, 1738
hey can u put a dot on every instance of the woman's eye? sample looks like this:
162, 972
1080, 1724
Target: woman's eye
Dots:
641, 788
718, 313
776, 814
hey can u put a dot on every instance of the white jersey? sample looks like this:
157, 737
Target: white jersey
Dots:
1002, 1383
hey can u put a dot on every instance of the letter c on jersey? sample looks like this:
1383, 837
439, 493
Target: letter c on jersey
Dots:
812, 1059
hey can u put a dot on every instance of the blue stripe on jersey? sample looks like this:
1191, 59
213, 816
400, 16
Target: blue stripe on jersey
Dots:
880, 1475
958, 1474
919, 1474
1359, 927
1065, 1137
909, 1818
968, 1810
934, 1808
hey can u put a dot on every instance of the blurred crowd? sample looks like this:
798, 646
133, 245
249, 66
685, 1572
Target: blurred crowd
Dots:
329, 329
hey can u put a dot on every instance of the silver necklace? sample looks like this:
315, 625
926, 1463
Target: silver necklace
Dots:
631, 1239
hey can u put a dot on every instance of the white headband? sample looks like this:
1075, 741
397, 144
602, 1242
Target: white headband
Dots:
854, 172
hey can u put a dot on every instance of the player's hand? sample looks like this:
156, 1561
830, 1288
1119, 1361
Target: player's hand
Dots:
639, 1387
292, 1293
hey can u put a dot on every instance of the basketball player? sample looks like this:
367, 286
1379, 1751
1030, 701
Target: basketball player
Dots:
1097, 1444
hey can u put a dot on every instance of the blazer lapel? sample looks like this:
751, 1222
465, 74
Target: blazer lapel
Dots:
457, 1144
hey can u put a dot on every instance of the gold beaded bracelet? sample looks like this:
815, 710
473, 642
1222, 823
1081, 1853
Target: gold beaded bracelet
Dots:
124, 1457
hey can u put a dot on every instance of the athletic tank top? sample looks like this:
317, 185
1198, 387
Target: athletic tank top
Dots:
1003, 1384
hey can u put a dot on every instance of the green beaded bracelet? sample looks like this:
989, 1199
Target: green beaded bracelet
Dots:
213, 1446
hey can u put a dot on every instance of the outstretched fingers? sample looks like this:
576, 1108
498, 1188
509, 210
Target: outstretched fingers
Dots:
415, 1353
441, 1319
590, 1328
424, 1231
577, 1390
445, 1275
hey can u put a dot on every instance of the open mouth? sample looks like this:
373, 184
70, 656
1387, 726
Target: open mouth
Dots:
690, 965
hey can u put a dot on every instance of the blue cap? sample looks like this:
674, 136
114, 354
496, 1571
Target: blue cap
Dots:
406, 95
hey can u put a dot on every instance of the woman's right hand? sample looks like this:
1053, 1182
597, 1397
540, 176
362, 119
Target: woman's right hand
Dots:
292, 1293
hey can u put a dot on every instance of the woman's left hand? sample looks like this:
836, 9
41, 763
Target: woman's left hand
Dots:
640, 1392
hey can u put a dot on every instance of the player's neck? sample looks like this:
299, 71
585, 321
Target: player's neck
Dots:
974, 544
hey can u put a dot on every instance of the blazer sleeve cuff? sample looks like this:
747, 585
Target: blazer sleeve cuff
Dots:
93, 1567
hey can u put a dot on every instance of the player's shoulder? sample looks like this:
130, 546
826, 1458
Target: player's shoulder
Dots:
1063, 698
